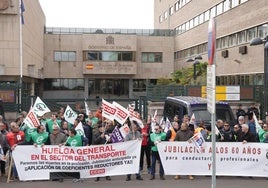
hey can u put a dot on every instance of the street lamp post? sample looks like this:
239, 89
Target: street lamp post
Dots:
258, 41
196, 62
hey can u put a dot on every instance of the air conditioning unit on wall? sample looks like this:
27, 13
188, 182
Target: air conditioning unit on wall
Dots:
224, 53
243, 49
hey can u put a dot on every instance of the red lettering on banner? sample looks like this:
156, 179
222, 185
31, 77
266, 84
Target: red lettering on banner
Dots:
94, 150
121, 113
97, 171
108, 109
58, 150
249, 150
32, 118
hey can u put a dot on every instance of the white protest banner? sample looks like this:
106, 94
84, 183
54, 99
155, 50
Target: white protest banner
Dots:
90, 161
31, 119
108, 110
121, 113
233, 159
39, 107
70, 115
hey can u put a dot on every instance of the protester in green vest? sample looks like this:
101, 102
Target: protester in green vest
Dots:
155, 138
28, 131
40, 137
75, 140
54, 119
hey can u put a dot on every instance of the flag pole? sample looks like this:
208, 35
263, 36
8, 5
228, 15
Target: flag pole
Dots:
20, 58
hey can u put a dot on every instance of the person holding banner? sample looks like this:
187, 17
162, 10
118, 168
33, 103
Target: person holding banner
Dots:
263, 133
57, 137
13, 138
54, 119
101, 137
245, 135
171, 133
75, 140
4, 146
133, 135
40, 137
227, 134
145, 147
155, 138
184, 134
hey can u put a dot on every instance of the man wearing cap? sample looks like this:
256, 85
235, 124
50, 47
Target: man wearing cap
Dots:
57, 137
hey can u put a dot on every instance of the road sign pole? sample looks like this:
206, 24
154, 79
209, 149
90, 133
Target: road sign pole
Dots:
211, 78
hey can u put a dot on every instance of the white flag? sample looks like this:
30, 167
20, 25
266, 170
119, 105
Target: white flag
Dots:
39, 107
70, 115
79, 129
108, 110
133, 116
198, 141
87, 108
155, 115
192, 121
31, 119
257, 125
121, 113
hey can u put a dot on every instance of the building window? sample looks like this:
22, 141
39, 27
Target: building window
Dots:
108, 56
207, 16
177, 5
151, 57
201, 18
219, 9
64, 84
191, 24
196, 21
232, 40
212, 12
187, 26
251, 33
234, 3
263, 30
166, 15
171, 10
64, 56
161, 19
226, 5
241, 37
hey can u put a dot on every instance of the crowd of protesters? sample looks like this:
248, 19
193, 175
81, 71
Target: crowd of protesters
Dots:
55, 130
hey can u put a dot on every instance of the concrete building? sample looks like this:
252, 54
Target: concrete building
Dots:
86, 63
237, 23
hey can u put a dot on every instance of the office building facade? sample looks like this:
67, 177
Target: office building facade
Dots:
85, 63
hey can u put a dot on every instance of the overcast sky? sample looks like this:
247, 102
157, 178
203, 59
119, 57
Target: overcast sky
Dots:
133, 14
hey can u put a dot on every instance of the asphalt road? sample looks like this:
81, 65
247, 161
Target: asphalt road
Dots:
119, 181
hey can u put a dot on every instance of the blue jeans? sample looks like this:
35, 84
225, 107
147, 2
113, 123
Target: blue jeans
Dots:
155, 157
